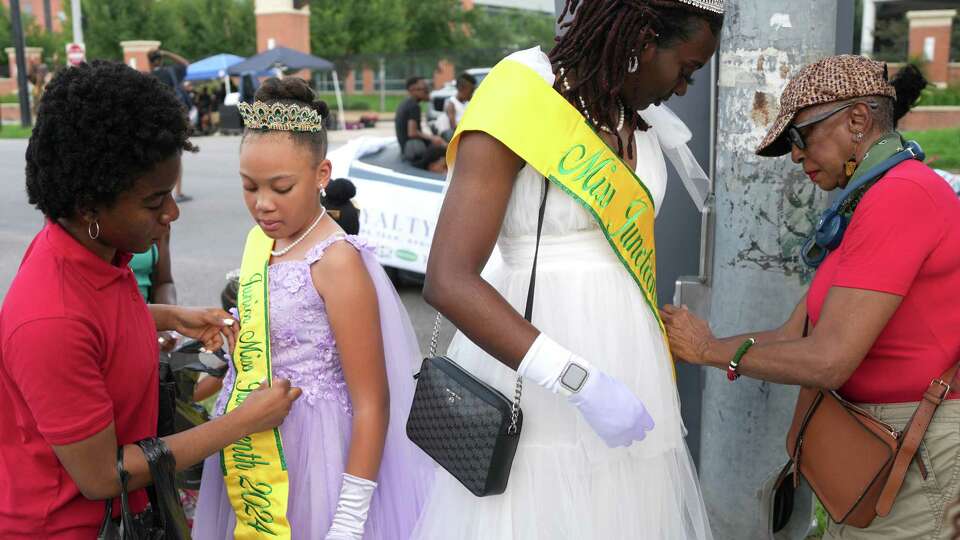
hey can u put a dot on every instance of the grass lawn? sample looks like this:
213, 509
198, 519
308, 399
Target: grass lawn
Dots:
14, 131
941, 144
363, 102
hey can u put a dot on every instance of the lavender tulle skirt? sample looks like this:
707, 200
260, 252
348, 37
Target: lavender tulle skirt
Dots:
316, 434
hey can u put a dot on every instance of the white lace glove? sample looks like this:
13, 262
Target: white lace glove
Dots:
612, 410
352, 508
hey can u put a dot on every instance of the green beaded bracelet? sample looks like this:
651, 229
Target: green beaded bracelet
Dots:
734, 365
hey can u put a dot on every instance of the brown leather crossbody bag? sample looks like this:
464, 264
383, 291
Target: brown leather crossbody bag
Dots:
854, 462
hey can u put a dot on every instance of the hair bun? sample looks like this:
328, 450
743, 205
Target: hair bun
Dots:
340, 191
322, 108
909, 83
291, 89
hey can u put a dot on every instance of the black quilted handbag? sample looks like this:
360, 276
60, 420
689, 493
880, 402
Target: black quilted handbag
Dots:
466, 426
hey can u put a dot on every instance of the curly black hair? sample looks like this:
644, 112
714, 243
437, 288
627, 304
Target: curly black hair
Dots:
99, 127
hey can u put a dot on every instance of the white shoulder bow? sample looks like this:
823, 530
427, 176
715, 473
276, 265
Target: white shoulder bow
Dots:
674, 135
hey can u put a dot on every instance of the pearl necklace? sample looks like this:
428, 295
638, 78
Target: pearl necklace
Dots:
583, 105
284, 251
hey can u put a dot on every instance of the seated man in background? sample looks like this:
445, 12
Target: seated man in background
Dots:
420, 149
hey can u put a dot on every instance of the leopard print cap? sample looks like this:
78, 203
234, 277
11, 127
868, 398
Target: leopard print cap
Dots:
832, 79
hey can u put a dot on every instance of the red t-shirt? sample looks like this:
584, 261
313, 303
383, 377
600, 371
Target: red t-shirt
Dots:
903, 239
78, 350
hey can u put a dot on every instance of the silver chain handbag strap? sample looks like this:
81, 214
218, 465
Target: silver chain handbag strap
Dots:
528, 313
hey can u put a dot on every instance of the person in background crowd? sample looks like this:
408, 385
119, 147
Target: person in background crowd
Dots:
173, 76
454, 107
339, 204
879, 321
78, 344
153, 271
420, 149
951, 178
205, 108
39, 77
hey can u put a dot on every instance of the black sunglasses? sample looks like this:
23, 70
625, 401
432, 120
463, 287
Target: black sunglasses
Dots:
793, 132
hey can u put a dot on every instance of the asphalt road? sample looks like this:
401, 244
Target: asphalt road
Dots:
207, 239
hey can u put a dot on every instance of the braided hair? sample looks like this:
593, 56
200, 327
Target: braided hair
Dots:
598, 43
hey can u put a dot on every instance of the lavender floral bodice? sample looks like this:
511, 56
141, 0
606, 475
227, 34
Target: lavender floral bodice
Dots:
302, 345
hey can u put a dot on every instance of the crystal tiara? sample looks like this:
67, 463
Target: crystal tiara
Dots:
280, 117
715, 6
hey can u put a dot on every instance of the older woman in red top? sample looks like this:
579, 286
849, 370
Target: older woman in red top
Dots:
884, 306
78, 345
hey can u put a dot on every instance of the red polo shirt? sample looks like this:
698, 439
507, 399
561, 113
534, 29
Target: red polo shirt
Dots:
78, 350
903, 239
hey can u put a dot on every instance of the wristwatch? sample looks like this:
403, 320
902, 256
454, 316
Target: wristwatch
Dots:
573, 378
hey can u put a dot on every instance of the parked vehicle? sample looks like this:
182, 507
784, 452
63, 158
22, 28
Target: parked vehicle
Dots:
398, 202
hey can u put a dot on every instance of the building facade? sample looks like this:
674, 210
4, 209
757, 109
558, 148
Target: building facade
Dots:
36, 10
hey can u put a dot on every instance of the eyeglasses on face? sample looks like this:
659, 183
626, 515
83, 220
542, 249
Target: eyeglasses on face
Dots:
796, 137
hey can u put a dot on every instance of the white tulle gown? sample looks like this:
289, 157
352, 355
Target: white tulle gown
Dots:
566, 484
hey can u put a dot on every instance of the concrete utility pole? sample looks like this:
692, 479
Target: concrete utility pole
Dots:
765, 209
19, 45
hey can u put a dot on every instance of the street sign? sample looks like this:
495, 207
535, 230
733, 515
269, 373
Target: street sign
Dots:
76, 54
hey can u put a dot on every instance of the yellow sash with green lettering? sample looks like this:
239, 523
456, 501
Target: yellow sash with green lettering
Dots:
254, 467
517, 107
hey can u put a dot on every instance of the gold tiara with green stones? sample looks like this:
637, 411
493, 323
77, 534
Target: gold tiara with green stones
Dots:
281, 117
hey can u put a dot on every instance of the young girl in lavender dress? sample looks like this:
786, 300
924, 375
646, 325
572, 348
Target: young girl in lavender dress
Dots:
338, 331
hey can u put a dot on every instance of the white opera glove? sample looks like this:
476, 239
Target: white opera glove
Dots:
612, 410
352, 508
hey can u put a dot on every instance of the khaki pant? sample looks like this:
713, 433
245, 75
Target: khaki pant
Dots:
924, 508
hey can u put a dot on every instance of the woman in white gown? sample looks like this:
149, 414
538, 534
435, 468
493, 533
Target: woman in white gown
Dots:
575, 476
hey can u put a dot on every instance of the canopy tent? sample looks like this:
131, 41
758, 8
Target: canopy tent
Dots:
283, 59
212, 67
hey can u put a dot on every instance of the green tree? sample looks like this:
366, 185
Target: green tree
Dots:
191, 28
108, 22
891, 39
35, 36
339, 29
436, 24
208, 27
499, 29
6, 40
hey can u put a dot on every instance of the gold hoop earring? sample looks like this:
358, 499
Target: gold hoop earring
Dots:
91, 232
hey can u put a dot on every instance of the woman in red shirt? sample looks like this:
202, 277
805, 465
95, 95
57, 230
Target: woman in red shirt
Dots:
884, 306
78, 345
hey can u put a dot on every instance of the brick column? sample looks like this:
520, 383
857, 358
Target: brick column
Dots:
444, 73
34, 56
369, 86
350, 82
280, 25
39, 15
135, 53
930, 40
